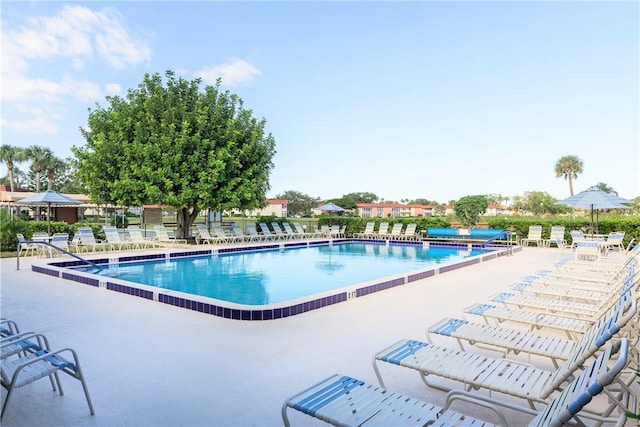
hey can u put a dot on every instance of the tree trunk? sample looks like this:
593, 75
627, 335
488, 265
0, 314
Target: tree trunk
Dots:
37, 209
570, 185
185, 219
12, 183
12, 186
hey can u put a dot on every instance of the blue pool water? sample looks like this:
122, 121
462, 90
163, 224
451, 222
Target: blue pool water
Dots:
273, 276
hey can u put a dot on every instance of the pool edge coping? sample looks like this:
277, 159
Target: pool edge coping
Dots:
285, 309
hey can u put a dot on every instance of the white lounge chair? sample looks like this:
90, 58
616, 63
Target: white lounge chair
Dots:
614, 241
302, 233
217, 232
27, 357
479, 371
289, 231
576, 236
564, 304
204, 237
383, 231
59, 243
240, 235
137, 239
368, 231
264, 228
162, 236
113, 238
410, 232
88, 240
27, 248
516, 340
590, 250
396, 231
556, 237
346, 401
534, 236
253, 232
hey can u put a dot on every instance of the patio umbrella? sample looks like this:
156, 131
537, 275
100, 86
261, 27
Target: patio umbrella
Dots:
595, 199
48, 198
330, 207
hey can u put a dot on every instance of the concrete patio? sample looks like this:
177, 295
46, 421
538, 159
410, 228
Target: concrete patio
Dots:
149, 364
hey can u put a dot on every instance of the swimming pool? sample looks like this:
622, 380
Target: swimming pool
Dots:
286, 289
261, 277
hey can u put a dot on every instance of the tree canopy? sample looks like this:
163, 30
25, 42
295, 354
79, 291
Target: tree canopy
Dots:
569, 167
171, 143
349, 201
299, 203
540, 203
469, 208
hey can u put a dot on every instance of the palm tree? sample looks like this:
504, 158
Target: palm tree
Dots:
9, 155
39, 157
53, 165
569, 167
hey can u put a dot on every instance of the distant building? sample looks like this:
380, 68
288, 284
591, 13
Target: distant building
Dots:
273, 207
497, 210
392, 210
398, 210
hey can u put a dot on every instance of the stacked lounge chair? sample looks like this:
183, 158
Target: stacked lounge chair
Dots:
27, 357
344, 400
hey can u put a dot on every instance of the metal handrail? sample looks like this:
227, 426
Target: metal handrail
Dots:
38, 242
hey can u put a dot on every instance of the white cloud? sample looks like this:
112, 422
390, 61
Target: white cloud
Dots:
77, 32
33, 122
43, 56
16, 88
116, 45
233, 73
81, 90
22, 89
112, 89
77, 64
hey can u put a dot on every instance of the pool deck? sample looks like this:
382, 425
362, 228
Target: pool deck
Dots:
150, 364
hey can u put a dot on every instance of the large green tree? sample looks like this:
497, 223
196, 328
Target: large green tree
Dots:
569, 167
540, 203
349, 201
425, 202
298, 203
173, 143
469, 208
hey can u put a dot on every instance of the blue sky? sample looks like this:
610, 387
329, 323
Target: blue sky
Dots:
407, 100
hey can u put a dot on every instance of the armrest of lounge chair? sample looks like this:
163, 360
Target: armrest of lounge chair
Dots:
31, 367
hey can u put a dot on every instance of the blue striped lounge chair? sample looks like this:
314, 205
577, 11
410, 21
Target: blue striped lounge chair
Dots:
346, 401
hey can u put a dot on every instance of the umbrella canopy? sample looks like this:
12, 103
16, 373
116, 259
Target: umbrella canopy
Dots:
48, 198
330, 207
593, 198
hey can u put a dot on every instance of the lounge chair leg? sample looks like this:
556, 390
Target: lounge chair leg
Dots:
377, 371
55, 374
86, 390
6, 400
432, 385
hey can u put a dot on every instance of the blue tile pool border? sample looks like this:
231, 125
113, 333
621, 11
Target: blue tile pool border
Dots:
210, 306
